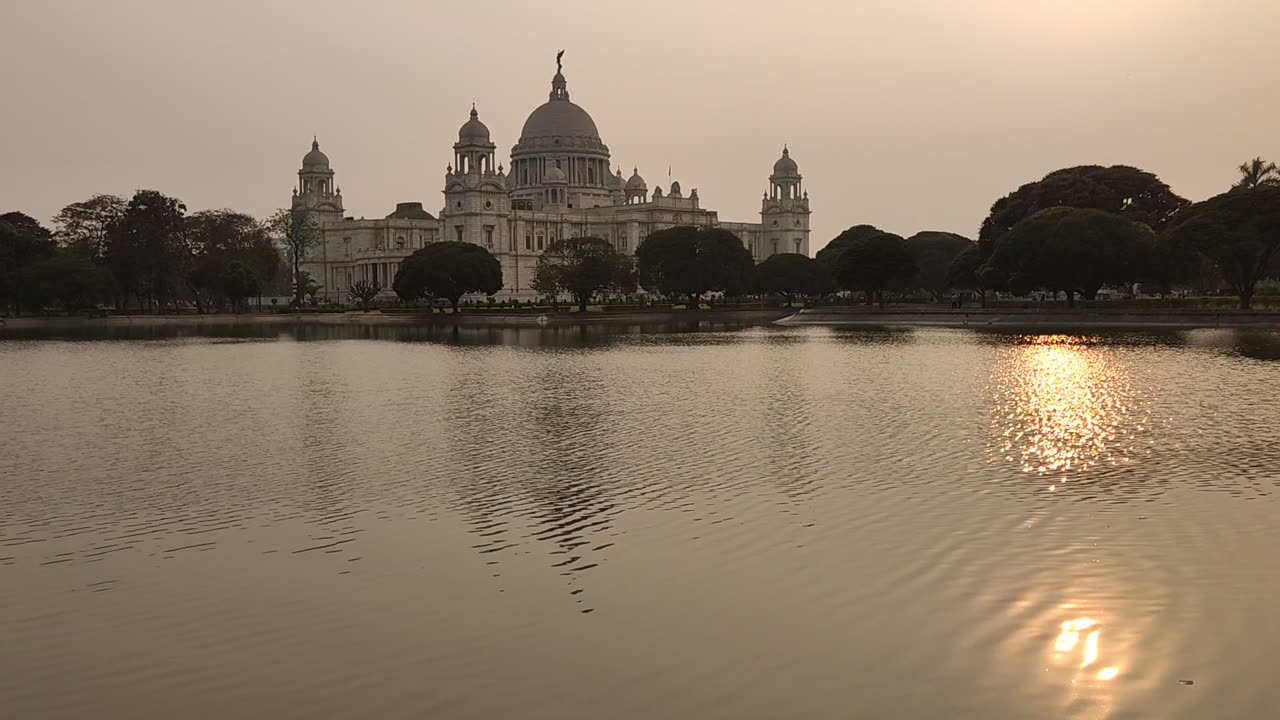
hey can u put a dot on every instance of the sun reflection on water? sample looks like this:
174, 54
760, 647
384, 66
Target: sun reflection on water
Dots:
1069, 638
1061, 407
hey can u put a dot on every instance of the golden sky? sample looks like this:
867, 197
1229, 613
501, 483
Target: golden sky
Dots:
907, 114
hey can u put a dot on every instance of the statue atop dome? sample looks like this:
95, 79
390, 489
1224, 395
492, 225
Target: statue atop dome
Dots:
559, 65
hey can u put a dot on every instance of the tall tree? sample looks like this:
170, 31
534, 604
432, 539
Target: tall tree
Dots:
298, 233
934, 252
583, 267
1135, 194
146, 248
82, 226
1256, 173
68, 279
238, 283
1238, 231
448, 270
217, 238
23, 242
1073, 250
876, 263
794, 276
692, 262
968, 272
830, 254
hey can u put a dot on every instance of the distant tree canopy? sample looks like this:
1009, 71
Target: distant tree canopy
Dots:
830, 255
968, 271
794, 276
146, 249
238, 283
1238, 232
875, 263
582, 267
692, 262
218, 238
448, 270
82, 226
1257, 173
1135, 194
23, 243
1072, 250
933, 253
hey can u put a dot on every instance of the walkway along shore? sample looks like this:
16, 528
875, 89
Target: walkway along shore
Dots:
1034, 319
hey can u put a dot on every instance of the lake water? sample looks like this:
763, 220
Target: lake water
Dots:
740, 523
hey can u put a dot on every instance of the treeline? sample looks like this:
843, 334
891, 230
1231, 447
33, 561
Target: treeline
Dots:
1081, 229
144, 253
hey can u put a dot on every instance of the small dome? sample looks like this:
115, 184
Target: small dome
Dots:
675, 189
555, 175
473, 131
636, 183
315, 160
786, 166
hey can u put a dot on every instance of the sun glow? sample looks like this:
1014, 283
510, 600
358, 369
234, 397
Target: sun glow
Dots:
1069, 639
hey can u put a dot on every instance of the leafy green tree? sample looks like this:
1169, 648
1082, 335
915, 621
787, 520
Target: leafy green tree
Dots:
1238, 231
23, 242
934, 252
218, 238
830, 255
364, 292
583, 267
146, 248
794, 276
82, 226
1122, 190
691, 262
238, 283
875, 263
1073, 250
307, 287
1256, 173
448, 270
298, 233
968, 272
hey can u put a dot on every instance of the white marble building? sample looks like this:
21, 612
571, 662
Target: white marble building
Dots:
559, 185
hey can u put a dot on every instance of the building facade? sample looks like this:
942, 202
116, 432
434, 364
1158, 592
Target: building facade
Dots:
559, 184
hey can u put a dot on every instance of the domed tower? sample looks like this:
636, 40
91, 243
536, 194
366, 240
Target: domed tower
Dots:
476, 199
316, 194
784, 212
560, 134
636, 189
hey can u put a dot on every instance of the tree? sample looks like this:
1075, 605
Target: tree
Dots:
218, 238
297, 233
307, 287
364, 292
693, 261
448, 270
875, 263
583, 267
1072, 250
82, 227
830, 255
1238, 231
238, 283
793, 276
1256, 173
23, 242
146, 248
968, 272
1135, 194
934, 252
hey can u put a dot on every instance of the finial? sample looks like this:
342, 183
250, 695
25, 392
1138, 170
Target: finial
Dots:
449, 168
785, 151
315, 142
474, 114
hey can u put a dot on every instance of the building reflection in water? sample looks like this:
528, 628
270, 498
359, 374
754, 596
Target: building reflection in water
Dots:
1061, 408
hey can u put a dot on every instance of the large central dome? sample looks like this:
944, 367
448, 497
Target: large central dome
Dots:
559, 121
559, 118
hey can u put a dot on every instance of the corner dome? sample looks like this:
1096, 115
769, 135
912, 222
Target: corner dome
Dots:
785, 165
473, 131
315, 160
636, 182
555, 175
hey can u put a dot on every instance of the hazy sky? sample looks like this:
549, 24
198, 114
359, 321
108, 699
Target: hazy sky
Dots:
907, 114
